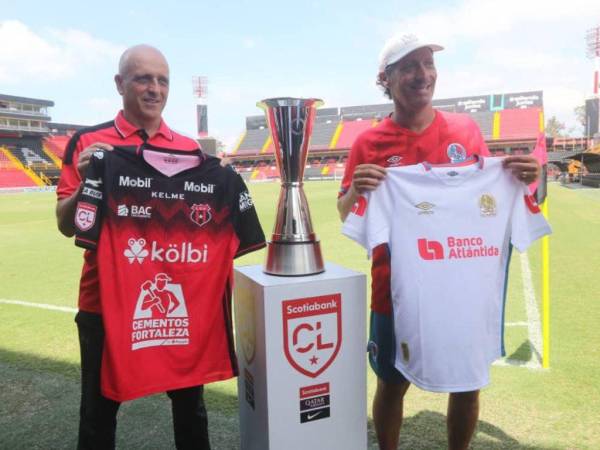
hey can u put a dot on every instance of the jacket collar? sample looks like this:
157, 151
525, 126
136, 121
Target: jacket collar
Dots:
126, 129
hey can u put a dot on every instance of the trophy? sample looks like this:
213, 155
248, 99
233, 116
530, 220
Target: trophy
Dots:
294, 249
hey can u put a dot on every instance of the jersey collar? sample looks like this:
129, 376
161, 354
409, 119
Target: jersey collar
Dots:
391, 125
473, 159
126, 129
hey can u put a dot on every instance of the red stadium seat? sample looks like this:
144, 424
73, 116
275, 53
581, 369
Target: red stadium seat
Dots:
519, 123
10, 178
350, 131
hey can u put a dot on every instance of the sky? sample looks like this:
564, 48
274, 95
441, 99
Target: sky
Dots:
68, 51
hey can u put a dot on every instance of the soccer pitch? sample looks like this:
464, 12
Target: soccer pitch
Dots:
525, 407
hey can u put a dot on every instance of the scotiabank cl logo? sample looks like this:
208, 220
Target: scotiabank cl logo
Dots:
312, 332
429, 250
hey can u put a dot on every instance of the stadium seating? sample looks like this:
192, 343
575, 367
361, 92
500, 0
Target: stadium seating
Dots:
485, 120
264, 172
350, 131
57, 145
312, 173
507, 131
519, 123
322, 135
11, 176
31, 157
328, 168
5, 163
253, 142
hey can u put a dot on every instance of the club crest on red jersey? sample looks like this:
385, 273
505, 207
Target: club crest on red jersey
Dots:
85, 215
200, 213
532, 204
456, 153
312, 332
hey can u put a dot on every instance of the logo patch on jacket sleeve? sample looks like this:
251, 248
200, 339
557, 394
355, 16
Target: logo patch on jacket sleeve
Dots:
360, 206
85, 215
532, 204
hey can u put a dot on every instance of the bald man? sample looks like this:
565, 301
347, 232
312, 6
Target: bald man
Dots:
143, 83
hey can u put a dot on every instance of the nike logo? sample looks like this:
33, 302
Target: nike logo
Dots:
312, 416
315, 414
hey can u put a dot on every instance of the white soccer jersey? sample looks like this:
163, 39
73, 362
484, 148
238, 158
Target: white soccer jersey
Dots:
449, 230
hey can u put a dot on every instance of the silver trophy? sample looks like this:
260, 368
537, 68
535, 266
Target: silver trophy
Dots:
294, 249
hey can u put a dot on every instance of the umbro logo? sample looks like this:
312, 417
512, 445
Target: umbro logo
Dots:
425, 208
394, 161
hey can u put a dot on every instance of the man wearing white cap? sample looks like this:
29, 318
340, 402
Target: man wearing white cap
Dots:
414, 133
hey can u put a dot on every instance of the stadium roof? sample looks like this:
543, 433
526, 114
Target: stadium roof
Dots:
586, 157
29, 100
65, 126
555, 157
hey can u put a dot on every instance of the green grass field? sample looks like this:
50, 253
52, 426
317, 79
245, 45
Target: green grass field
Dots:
524, 408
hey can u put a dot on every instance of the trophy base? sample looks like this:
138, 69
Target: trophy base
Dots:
294, 259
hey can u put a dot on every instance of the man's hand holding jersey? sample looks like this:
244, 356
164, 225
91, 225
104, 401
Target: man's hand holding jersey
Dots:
65, 207
86, 154
366, 177
525, 168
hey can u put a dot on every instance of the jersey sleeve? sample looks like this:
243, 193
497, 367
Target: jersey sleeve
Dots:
88, 212
368, 223
354, 159
527, 222
69, 176
245, 220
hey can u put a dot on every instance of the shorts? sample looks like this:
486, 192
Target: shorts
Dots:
382, 348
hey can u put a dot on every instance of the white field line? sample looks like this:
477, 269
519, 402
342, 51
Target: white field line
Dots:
533, 312
531, 364
534, 328
38, 305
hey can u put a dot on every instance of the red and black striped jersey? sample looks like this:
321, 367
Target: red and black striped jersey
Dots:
165, 248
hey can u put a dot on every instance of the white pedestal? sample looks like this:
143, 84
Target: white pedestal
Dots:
302, 359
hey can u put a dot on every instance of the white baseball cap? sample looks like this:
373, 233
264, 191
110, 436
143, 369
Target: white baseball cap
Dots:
401, 45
